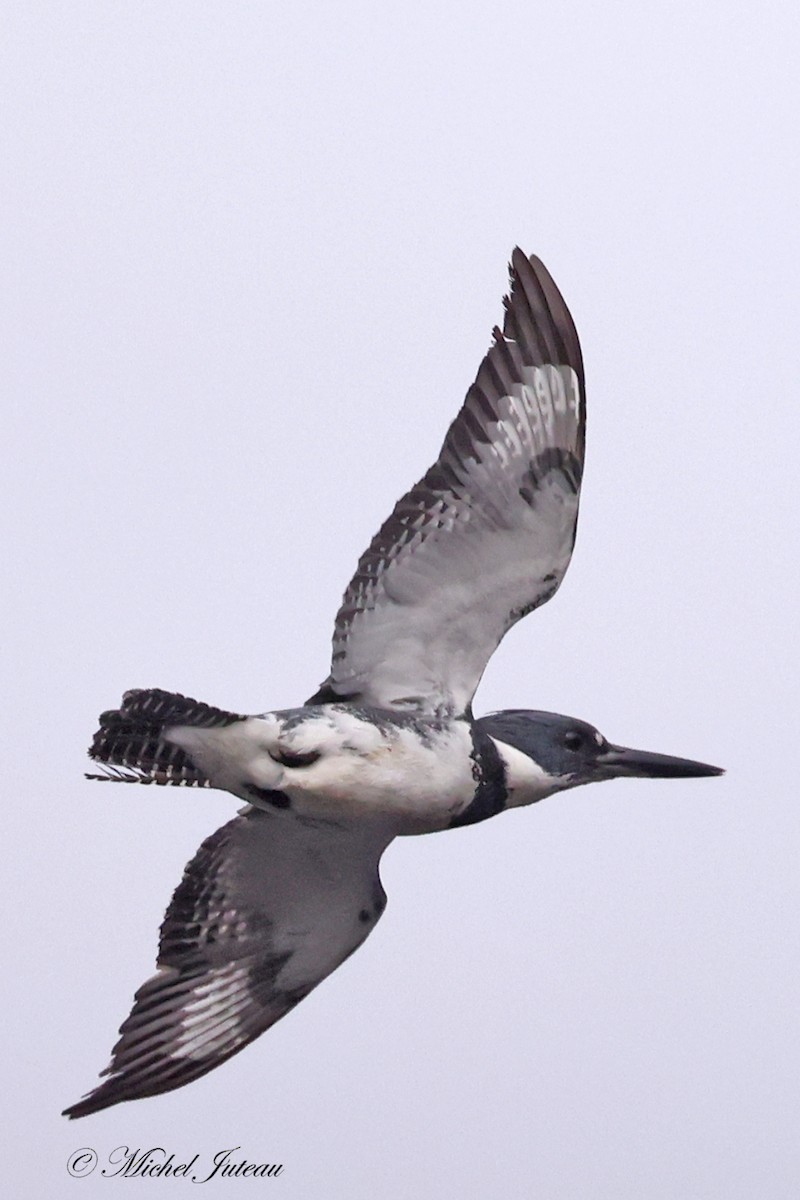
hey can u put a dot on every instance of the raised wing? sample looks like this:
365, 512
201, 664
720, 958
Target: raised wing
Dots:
266, 909
487, 534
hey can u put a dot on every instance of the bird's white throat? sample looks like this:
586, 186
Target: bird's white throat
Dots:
526, 781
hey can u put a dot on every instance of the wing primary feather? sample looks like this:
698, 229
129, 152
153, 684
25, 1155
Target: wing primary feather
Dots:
493, 520
266, 909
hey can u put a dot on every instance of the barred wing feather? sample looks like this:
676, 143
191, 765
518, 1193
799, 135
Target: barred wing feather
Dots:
487, 534
266, 909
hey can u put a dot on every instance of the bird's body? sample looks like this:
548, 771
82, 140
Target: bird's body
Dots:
343, 763
356, 764
388, 745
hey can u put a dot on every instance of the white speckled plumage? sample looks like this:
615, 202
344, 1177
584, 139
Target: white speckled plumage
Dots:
362, 768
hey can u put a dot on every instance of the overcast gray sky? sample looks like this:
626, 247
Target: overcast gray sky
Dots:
252, 255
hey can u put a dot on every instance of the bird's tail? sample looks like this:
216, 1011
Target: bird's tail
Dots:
130, 747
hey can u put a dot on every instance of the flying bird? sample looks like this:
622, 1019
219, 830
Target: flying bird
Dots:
388, 745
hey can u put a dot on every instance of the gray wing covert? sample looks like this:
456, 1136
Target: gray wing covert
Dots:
266, 909
487, 534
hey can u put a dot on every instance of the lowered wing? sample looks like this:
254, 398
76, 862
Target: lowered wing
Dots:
266, 909
487, 534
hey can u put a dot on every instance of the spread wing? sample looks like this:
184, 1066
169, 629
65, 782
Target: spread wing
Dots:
266, 909
487, 534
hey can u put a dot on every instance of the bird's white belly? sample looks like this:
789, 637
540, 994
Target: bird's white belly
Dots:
415, 774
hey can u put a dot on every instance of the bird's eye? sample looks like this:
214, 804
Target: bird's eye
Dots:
287, 759
573, 740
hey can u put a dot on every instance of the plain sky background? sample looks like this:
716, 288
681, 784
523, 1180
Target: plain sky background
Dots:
252, 256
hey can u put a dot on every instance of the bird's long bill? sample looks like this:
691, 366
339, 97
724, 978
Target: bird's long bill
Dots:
654, 766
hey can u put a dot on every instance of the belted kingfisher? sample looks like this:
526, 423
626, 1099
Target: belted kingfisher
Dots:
388, 745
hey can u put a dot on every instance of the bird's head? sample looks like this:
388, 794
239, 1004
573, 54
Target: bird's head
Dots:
569, 752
